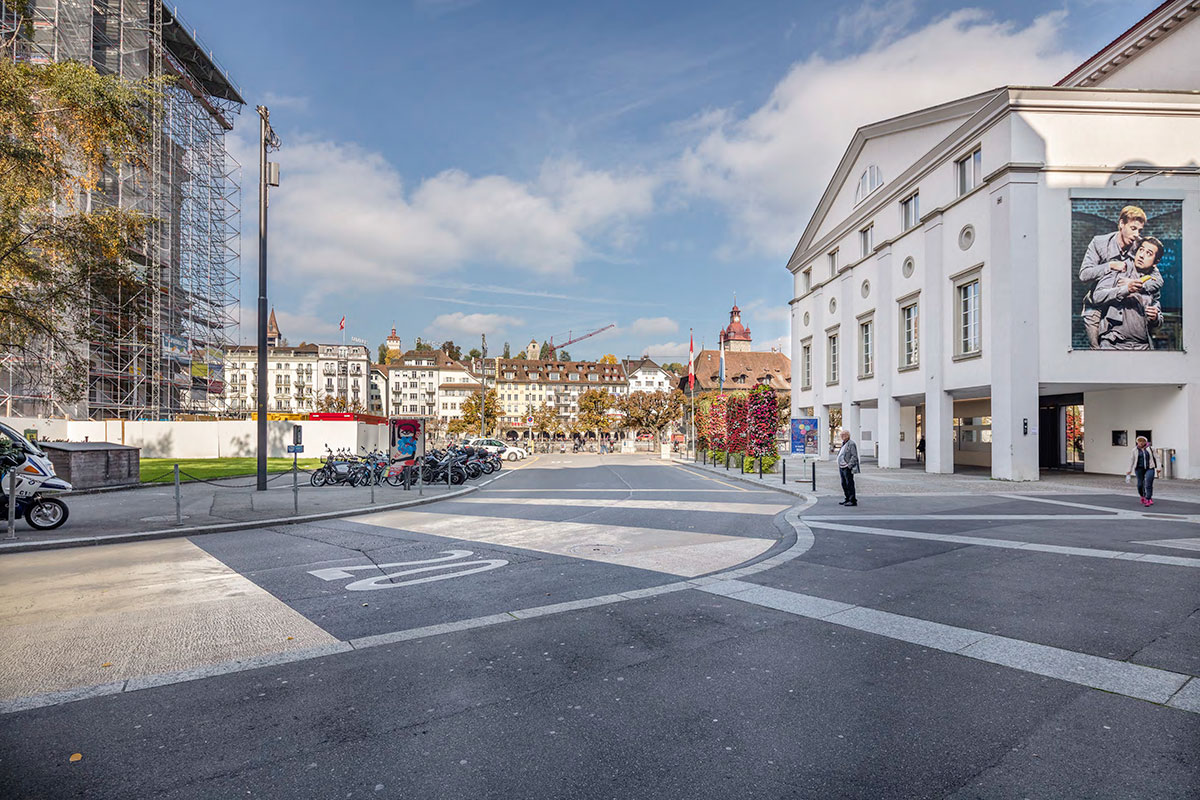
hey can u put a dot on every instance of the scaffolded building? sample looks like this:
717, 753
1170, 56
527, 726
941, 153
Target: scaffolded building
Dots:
160, 351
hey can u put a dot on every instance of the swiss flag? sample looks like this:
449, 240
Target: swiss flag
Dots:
342, 324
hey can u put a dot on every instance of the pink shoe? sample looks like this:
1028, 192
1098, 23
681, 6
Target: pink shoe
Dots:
1143, 501
1149, 502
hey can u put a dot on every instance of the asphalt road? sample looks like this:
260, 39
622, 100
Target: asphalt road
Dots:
605, 627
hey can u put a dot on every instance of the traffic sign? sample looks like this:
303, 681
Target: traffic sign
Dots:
295, 448
529, 420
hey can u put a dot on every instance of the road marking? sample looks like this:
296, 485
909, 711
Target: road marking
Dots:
974, 517
1123, 512
1179, 544
707, 478
1119, 677
540, 490
378, 582
1013, 544
708, 505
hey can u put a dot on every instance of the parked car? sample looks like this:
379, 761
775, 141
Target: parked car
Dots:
513, 453
498, 447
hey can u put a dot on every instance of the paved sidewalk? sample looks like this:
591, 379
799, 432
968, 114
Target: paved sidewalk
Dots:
914, 480
146, 513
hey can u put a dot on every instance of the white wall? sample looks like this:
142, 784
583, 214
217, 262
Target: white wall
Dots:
1161, 410
210, 439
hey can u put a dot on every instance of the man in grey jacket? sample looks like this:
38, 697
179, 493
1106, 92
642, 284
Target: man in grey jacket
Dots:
847, 461
1108, 252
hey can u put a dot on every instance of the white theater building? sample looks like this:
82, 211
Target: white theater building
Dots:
937, 293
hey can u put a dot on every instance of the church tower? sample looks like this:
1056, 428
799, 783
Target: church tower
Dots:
273, 336
735, 337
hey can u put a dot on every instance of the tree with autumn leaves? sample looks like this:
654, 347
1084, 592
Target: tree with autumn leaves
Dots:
653, 411
468, 422
65, 128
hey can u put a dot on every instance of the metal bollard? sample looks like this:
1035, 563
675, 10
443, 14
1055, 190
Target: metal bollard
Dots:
783, 469
12, 503
178, 508
760, 468
727, 462
371, 480
814, 475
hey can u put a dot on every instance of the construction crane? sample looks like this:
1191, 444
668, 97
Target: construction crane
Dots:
554, 347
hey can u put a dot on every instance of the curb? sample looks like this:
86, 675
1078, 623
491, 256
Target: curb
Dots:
224, 527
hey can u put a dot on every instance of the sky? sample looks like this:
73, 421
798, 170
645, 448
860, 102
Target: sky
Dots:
536, 169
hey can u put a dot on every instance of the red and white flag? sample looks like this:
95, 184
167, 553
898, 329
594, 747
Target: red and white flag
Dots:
691, 361
342, 324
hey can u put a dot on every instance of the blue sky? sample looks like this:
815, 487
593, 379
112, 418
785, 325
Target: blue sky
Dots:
524, 169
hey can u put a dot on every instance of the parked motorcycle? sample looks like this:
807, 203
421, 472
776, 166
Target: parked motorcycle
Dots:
35, 482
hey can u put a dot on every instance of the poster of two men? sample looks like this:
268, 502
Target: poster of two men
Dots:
1127, 291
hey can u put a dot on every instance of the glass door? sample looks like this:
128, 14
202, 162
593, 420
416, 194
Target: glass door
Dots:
1074, 437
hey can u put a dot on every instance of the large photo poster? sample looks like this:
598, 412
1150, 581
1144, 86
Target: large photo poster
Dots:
1127, 291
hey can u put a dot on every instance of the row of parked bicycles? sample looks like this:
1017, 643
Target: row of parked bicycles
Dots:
454, 465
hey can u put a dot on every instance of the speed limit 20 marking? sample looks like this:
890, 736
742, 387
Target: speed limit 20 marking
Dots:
448, 566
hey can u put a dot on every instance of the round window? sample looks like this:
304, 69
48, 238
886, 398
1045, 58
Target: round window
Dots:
909, 267
966, 237
832, 305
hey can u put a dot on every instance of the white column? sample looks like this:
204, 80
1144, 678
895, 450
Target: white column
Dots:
888, 434
1012, 270
935, 343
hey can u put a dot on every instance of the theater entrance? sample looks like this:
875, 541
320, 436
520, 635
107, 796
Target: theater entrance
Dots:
1060, 432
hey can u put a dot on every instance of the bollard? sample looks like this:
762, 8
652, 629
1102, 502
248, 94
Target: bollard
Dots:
760, 468
178, 509
814, 475
295, 488
420, 480
371, 480
727, 462
783, 461
12, 503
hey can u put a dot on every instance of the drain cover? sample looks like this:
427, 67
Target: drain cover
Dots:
595, 549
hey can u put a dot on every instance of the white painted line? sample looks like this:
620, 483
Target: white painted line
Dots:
1118, 677
574, 605
972, 517
56, 698
429, 630
1178, 544
1124, 512
1187, 698
1011, 544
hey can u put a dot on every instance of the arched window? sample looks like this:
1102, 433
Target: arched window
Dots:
869, 181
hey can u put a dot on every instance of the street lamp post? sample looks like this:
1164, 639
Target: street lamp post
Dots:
483, 395
268, 175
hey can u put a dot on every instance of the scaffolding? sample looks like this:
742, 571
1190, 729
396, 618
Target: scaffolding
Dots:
158, 351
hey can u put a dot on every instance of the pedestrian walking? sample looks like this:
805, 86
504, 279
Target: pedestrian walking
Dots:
1145, 466
921, 450
847, 461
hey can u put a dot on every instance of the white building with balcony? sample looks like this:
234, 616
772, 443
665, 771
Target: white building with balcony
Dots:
291, 379
938, 293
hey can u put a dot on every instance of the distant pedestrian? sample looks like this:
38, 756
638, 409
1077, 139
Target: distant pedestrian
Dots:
1145, 466
921, 449
847, 461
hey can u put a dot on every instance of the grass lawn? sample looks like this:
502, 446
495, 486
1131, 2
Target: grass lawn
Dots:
161, 470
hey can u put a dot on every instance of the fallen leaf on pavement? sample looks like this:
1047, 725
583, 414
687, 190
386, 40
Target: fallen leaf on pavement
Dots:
76, 757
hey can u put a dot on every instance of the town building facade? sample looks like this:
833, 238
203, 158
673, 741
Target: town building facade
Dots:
966, 284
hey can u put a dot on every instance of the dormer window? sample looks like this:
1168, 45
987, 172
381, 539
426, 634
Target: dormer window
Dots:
868, 182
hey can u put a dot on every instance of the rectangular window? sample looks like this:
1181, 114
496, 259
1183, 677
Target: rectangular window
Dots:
910, 341
833, 358
833, 263
866, 354
866, 240
807, 279
969, 171
968, 318
910, 211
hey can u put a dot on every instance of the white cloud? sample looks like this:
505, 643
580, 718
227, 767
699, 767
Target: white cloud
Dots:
669, 351
653, 326
460, 325
274, 100
770, 167
343, 216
